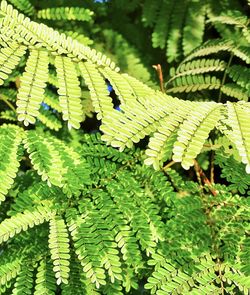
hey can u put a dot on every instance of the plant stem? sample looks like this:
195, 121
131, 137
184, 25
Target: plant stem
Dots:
8, 103
160, 76
202, 177
225, 75
212, 167
168, 165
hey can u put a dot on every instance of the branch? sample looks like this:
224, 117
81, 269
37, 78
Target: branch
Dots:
202, 177
160, 76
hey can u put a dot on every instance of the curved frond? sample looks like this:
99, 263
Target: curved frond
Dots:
150, 10
193, 132
22, 221
24, 6
194, 83
69, 91
101, 100
241, 76
198, 66
33, 83
177, 16
66, 13
10, 139
194, 26
165, 133
242, 52
51, 99
45, 281
162, 26
59, 249
23, 30
236, 91
24, 282
44, 158
9, 271
238, 121
210, 47
233, 17
10, 56
49, 120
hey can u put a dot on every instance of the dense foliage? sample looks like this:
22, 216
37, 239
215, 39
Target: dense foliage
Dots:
125, 147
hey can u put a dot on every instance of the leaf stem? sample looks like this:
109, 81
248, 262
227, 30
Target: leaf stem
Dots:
10, 105
225, 75
203, 178
168, 165
212, 167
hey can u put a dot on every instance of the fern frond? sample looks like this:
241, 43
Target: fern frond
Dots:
150, 10
121, 87
51, 99
103, 240
92, 146
8, 115
78, 283
162, 26
9, 58
22, 221
33, 82
238, 120
210, 47
243, 52
10, 139
194, 83
59, 249
240, 75
233, 173
236, 91
24, 6
140, 90
193, 132
66, 13
123, 234
9, 94
91, 264
9, 271
198, 66
69, 91
101, 100
45, 281
44, 158
79, 37
75, 173
233, 17
238, 279
27, 32
166, 279
168, 127
49, 120
177, 16
24, 282
194, 27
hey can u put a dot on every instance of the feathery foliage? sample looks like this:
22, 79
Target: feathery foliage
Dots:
104, 185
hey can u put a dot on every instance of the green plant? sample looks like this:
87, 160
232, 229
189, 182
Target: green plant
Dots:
79, 216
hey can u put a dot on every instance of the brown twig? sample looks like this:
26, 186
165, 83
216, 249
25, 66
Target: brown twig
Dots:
160, 76
203, 178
